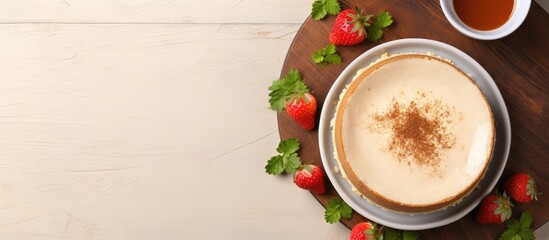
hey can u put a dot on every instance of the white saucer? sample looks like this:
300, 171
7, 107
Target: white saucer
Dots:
499, 157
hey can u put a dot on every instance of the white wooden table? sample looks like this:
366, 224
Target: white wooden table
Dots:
146, 119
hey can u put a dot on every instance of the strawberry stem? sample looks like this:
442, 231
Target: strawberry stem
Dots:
359, 21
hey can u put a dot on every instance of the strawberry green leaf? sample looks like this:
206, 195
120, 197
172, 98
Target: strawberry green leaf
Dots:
407, 235
293, 75
337, 209
382, 21
275, 165
525, 220
291, 163
288, 161
285, 89
526, 235
531, 188
330, 49
332, 215
335, 59
326, 55
374, 33
370, 231
503, 207
519, 229
345, 210
392, 234
321, 8
355, 29
288, 146
395, 234
318, 57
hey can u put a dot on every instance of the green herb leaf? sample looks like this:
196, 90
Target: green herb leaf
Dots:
285, 89
519, 229
395, 234
374, 33
288, 161
525, 220
335, 59
392, 234
275, 165
407, 235
337, 209
326, 55
288, 146
370, 231
382, 21
291, 162
323, 7
330, 49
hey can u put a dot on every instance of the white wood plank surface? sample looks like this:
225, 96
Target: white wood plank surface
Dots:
155, 11
144, 132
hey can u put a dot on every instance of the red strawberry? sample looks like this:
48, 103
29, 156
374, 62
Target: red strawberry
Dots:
292, 94
521, 187
349, 27
494, 209
303, 110
310, 177
366, 231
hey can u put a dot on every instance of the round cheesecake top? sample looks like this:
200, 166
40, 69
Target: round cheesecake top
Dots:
413, 133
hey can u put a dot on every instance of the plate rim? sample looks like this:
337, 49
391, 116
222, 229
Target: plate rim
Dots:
343, 79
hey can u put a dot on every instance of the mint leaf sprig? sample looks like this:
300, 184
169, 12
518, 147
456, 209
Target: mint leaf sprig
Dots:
285, 89
321, 8
337, 209
519, 229
395, 234
326, 55
287, 161
381, 22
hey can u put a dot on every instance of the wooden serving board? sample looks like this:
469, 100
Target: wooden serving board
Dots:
518, 63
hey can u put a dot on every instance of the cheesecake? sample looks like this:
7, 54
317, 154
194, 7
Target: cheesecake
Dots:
413, 133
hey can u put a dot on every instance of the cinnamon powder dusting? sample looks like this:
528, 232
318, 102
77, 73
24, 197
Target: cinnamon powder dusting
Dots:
419, 131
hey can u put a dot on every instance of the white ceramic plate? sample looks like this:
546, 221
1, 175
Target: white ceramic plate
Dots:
499, 157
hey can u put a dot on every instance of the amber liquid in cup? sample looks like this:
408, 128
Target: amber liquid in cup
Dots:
484, 15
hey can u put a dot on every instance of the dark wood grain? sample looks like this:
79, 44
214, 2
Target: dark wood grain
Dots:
518, 63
